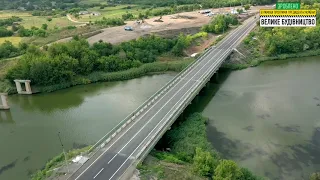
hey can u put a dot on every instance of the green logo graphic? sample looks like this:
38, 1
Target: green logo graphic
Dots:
288, 5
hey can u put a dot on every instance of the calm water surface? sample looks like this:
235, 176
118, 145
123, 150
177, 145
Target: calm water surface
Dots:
267, 118
83, 114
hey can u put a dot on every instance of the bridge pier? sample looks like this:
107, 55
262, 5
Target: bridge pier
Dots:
4, 102
27, 85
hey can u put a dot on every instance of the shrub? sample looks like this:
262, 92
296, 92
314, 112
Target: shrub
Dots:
315, 176
203, 162
5, 33
227, 169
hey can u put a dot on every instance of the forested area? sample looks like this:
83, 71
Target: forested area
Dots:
220, 24
61, 62
188, 143
68, 4
276, 41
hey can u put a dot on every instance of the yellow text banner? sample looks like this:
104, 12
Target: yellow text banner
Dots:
270, 12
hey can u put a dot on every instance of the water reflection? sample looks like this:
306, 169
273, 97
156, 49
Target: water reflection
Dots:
6, 117
267, 119
59, 100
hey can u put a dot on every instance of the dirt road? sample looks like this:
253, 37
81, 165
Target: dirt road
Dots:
176, 22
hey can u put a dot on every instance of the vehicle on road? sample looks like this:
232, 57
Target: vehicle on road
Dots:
128, 28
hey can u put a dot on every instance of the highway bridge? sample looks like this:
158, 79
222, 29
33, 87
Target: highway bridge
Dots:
116, 155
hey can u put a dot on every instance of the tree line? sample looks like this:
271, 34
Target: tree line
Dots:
275, 41
220, 24
62, 62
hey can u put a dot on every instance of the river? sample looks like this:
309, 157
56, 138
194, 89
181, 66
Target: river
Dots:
83, 114
267, 118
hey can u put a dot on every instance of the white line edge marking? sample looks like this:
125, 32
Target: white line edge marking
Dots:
145, 112
98, 173
229, 37
191, 79
166, 113
162, 120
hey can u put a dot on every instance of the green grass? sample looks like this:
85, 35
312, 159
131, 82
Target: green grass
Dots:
56, 35
184, 138
29, 20
93, 1
113, 12
37, 21
154, 168
15, 40
57, 162
8, 14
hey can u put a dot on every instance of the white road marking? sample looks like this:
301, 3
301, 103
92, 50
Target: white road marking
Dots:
98, 173
160, 109
163, 118
166, 113
235, 32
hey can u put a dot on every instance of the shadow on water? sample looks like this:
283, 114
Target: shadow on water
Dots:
8, 166
58, 100
199, 103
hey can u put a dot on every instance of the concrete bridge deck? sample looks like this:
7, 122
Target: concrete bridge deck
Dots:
136, 137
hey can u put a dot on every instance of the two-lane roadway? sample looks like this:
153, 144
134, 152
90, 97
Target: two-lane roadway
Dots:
121, 152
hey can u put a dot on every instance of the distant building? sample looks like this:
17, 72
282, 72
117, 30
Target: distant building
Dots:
95, 14
83, 12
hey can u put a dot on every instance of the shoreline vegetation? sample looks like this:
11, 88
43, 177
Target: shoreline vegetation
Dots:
76, 62
56, 162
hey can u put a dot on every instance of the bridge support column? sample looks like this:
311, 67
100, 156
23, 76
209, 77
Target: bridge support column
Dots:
4, 103
27, 85
239, 52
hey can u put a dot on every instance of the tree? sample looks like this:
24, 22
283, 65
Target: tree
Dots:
247, 7
49, 19
240, 11
247, 175
140, 16
44, 26
227, 170
5, 33
315, 176
203, 162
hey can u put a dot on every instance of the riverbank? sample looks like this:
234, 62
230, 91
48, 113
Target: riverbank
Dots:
58, 161
237, 61
188, 155
145, 69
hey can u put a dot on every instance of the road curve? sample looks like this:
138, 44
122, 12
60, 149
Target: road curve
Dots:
120, 153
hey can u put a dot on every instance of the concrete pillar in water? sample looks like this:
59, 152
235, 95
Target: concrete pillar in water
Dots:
27, 85
18, 85
4, 102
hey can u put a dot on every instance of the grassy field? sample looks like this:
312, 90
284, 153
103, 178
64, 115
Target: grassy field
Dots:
29, 20
8, 14
93, 1
37, 21
113, 12
14, 40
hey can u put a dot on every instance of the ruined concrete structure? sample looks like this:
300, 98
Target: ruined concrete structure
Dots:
27, 85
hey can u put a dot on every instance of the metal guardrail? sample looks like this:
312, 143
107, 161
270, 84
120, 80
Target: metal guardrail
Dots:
182, 105
130, 118
176, 113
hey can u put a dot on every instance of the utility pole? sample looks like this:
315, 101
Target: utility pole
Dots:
65, 155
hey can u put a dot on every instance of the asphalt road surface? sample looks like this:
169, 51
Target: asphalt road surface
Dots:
119, 155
